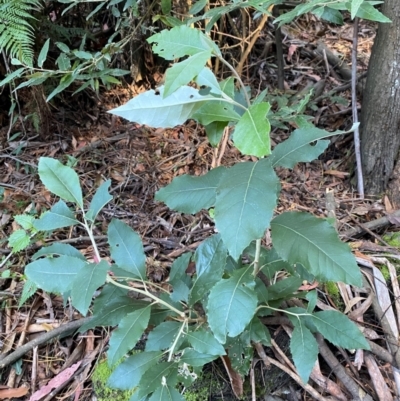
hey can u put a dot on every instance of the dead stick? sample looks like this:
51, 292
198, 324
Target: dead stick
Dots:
46, 337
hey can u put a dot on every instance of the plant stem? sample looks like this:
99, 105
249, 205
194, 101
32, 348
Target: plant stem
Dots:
257, 258
148, 294
171, 350
234, 72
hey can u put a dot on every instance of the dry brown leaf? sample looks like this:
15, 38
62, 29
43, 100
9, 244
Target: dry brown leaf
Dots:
12, 392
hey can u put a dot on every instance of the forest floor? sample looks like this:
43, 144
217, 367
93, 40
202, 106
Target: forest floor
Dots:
139, 161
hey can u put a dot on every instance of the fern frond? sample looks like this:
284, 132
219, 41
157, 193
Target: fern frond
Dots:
17, 35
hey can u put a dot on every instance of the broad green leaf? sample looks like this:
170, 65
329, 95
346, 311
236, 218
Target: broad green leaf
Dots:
330, 15
181, 41
86, 282
128, 333
25, 221
18, 240
182, 73
368, 11
259, 332
111, 313
166, 393
58, 216
100, 199
56, 274
151, 108
157, 375
127, 375
251, 135
246, 198
355, 5
127, 248
43, 53
215, 111
339, 330
298, 147
215, 131
207, 78
179, 279
63, 62
60, 180
284, 288
188, 194
240, 353
304, 350
162, 336
232, 304
204, 342
313, 242
58, 249
194, 358
210, 258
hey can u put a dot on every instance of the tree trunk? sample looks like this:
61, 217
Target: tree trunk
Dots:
380, 117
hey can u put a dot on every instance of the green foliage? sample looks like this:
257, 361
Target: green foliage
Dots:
217, 310
17, 35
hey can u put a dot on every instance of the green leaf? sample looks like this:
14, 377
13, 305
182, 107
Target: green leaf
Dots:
166, 393
181, 41
182, 73
368, 11
56, 274
127, 249
28, 290
151, 108
60, 180
246, 198
251, 135
87, 281
258, 332
14, 75
58, 249
127, 375
204, 342
215, 131
188, 194
207, 78
215, 111
331, 15
197, 6
157, 375
43, 53
100, 199
179, 279
162, 336
304, 350
166, 6
303, 238
65, 81
232, 304
284, 288
339, 330
210, 258
58, 216
63, 62
194, 358
298, 147
128, 333
18, 240
25, 221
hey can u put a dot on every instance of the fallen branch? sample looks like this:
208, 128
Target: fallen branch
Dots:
46, 337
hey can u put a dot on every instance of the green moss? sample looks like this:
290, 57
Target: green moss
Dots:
332, 290
205, 385
393, 239
104, 393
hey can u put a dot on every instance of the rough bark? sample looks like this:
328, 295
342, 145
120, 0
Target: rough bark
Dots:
380, 117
